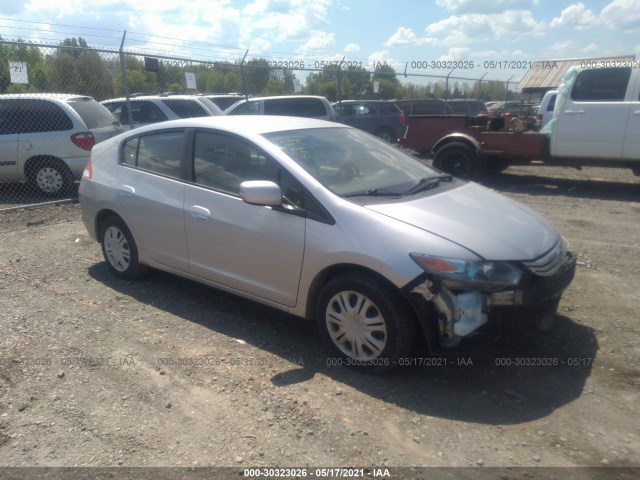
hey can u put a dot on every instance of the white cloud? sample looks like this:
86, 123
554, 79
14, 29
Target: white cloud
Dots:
576, 16
470, 29
403, 36
483, 6
352, 47
456, 53
318, 41
562, 48
381, 57
591, 48
622, 15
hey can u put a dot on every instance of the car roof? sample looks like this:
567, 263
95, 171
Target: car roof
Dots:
56, 96
244, 124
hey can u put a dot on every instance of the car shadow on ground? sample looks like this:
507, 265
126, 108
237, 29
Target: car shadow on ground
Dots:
496, 380
593, 188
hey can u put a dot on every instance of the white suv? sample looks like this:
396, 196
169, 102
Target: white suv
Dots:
289, 105
150, 109
45, 138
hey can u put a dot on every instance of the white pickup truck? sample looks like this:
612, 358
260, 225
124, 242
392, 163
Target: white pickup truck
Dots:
596, 122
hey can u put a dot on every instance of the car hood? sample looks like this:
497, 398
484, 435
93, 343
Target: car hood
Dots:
481, 220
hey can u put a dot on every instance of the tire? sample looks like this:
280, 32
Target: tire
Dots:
458, 159
120, 249
386, 135
380, 326
51, 177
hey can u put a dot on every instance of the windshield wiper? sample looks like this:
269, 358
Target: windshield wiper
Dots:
427, 183
374, 192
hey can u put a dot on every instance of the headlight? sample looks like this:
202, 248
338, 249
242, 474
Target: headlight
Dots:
470, 273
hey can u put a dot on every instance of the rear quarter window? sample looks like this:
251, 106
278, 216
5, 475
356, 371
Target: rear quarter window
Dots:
93, 114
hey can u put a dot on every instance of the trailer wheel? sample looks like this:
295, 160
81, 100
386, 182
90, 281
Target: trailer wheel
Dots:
458, 159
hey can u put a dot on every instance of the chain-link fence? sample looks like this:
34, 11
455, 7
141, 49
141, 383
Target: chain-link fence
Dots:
50, 116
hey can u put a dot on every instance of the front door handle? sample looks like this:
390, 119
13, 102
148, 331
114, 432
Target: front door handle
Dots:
201, 213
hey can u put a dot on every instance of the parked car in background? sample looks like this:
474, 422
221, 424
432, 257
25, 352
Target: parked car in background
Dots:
224, 101
423, 106
147, 109
325, 222
381, 118
545, 110
45, 138
465, 106
289, 105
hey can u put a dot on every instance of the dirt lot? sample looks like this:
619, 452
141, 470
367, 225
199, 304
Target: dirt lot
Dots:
101, 372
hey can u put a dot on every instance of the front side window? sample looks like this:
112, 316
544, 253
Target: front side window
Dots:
601, 85
157, 152
223, 162
9, 117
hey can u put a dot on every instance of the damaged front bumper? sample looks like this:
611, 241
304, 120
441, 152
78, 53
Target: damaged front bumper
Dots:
461, 311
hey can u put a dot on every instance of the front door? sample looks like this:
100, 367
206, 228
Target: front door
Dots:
254, 249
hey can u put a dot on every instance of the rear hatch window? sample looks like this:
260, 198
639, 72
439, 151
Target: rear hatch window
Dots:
92, 113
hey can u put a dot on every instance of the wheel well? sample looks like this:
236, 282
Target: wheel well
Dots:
33, 162
460, 139
101, 218
333, 271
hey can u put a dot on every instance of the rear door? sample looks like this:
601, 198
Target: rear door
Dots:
593, 122
252, 249
8, 140
151, 193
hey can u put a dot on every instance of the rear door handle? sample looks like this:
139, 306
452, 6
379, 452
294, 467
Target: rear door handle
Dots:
201, 213
126, 191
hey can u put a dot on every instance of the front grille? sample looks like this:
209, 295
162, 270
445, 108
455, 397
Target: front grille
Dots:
547, 265
542, 288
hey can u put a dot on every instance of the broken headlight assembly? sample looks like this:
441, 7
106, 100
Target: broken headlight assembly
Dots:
470, 274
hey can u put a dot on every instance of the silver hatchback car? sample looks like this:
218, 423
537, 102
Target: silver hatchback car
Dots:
328, 223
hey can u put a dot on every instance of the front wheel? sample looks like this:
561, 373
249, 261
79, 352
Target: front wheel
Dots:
120, 249
365, 322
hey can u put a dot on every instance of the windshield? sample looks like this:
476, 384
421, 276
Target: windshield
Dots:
350, 162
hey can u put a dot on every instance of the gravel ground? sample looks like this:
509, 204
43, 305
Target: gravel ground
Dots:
163, 372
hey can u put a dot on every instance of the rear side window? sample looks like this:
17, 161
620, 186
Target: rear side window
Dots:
601, 85
185, 108
42, 116
297, 107
142, 111
92, 113
552, 103
158, 152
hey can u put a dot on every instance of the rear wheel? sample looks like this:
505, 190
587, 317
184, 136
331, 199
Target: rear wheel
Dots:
120, 249
458, 159
365, 322
51, 177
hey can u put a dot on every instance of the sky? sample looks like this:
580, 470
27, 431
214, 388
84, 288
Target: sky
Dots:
417, 35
